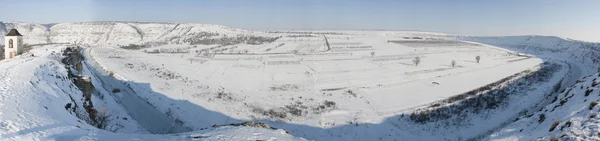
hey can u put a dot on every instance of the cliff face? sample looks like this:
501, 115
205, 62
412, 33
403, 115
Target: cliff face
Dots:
122, 33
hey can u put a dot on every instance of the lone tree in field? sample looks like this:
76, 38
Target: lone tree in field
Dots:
372, 54
477, 59
453, 63
417, 61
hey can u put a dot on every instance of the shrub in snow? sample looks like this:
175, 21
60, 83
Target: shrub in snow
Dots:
567, 124
453, 63
285, 87
102, 120
562, 102
417, 61
554, 126
329, 103
67, 106
542, 118
588, 91
351, 93
372, 54
594, 103
477, 59
133, 47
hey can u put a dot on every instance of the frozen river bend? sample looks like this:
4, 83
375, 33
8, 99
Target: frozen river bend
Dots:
321, 85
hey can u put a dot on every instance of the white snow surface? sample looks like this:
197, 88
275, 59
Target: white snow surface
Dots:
318, 85
34, 91
576, 117
119, 33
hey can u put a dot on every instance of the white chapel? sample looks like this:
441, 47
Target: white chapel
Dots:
13, 44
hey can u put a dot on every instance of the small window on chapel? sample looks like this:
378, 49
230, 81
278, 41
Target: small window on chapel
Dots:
10, 43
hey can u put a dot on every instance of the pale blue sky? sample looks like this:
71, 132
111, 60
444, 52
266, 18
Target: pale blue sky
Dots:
577, 19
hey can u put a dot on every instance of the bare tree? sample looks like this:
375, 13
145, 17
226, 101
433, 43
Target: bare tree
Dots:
453, 63
477, 59
417, 61
372, 54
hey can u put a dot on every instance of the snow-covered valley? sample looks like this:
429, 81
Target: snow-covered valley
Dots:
175, 81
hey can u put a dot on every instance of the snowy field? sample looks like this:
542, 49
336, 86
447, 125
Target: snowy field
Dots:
305, 81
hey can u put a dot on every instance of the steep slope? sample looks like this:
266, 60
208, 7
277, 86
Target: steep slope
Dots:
573, 115
583, 59
34, 91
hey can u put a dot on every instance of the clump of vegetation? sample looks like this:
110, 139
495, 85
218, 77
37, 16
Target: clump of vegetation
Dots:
133, 47
453, 63
323, 107
284, 87
252, 40
554, 126
562, 102
271, 113
417, 61
588, 91
592, 104
249, 124
351, 93
482, 99
329, 103
542, 118
567, 124
226, 96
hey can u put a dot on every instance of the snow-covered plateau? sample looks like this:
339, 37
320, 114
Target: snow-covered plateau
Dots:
168, 81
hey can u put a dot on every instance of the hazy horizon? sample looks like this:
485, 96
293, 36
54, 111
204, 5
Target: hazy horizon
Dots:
569, 19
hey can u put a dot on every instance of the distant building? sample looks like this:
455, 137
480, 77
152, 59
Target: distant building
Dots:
13, 44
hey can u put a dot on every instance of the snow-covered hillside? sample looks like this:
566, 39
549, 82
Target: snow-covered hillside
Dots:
572, 115
38, 101
362, 86
318, 85
124, 33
